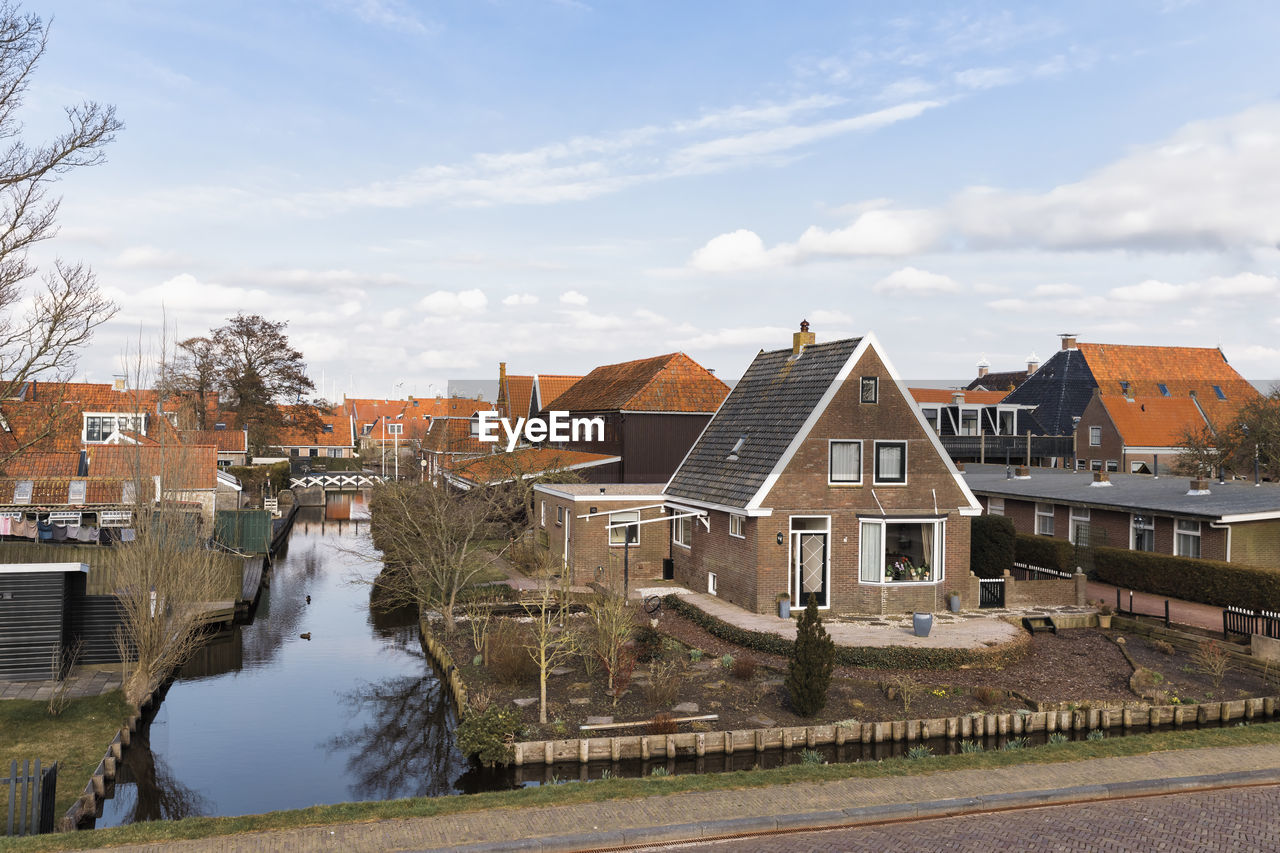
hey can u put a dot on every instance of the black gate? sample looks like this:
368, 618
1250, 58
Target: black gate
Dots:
991, 592
31, 796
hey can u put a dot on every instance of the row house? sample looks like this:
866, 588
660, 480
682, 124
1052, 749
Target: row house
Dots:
653, 411
819, 478
1233, 521
333, 438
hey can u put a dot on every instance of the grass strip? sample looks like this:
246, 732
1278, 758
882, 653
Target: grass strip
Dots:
619, 789
77, 739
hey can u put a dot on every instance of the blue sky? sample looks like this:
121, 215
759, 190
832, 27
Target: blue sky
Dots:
424, 189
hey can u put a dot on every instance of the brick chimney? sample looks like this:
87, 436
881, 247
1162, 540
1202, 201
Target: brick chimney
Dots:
957, 397
1033, 363
119, 382
802, 339
1068, 340
984, 367
1101, 478
1199, 486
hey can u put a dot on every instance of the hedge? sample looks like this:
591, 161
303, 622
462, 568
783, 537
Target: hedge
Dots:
991, 545
865, 657
1045, 552
1205, 581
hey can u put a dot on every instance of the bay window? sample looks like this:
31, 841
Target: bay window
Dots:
900, 551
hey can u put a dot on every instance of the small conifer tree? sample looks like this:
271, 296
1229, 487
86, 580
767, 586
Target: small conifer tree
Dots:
812, 658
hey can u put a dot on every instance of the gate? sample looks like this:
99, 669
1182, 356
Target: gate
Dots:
1239, 620
991, 592
31, 797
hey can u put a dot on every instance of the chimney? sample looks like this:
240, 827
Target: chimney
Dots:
802, 339
957, 397
1068, 340
119, 383
1033, 363
984, 367
1199, 486
1022, 472
1101, 478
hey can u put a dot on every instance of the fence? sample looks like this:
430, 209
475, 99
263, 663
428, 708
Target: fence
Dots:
1025, 572
1133, 612
1238, 620
991, 592
31, 798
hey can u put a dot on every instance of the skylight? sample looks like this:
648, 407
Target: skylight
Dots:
1164, 389
1217, 389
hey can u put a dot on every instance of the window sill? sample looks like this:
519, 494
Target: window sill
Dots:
681, 545
900, 583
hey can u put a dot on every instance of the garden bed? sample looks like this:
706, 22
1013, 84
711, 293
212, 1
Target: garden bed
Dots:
697, 673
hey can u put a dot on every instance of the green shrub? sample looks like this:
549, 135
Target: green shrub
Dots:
659, 771
1205, 581
1058, 739
811, 756
968, 746
812, 660
1095, 734
648, 642
488, 735
991, 548
1044, 551
869, 657
1016, 743
726, 662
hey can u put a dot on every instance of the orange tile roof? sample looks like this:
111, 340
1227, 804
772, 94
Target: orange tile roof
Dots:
38, 463
453, 435
1145, 366
226, 440
180, 466
340, 436
519, 393
944, 396
664, 383
525, 462
55, 491
551, 386
1151, 421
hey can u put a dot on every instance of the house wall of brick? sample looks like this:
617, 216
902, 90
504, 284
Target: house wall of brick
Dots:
754, 571
1255, 543
1112, 446
591, 557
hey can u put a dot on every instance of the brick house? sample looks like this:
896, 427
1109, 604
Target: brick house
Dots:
525, 396
335, 439
819, 477
1235, 521
573, 520
653, 410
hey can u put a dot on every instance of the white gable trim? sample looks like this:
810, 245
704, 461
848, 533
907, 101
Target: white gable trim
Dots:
868, 342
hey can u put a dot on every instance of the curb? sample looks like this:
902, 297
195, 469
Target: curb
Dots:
869, 815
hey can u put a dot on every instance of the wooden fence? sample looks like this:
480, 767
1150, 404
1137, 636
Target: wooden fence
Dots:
31, 796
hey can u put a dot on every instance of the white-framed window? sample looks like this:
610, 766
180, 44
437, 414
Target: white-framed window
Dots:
869, 389
99, 426
995, 506
1006, 421
1095, 436
1143, 535
22, 491
900, 551
559, 515
1044, 519
968, 421
1082, 464
711, 583
682, 531
931, 417
542, 514
624, 535
844, 462
1095, 464
335, 452
1079, 529
1186, 538
737, 525
1113, 465
891, 462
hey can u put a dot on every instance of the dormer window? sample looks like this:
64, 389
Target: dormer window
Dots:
328, 428
1124, 387
220, 425
1217, 389
22, 491
76, 492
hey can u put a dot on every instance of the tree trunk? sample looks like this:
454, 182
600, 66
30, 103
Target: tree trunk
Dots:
542, 688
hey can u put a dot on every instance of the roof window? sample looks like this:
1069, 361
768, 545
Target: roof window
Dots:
1124, 387
733, 454
328, 427
1164, 389
1217, 389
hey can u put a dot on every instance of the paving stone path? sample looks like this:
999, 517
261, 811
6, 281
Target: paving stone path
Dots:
1236, 820
82, 683
510, 824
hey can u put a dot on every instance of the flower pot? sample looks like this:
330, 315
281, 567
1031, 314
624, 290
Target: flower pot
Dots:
923, 623
1104, 620
784, 608
953, 602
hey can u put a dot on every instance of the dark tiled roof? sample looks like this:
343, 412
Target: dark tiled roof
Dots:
768, 406
1060, 390
998, 381
1127, 492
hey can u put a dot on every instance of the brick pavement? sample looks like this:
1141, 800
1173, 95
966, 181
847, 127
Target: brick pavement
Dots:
1234, 820
508, 824
1180, 612
82, 682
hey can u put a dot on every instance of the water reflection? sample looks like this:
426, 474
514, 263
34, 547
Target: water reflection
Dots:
146, 789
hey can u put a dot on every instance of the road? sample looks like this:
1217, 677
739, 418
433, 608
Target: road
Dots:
1237, 819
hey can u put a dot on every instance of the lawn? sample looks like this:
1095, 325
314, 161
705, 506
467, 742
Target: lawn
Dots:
77, 739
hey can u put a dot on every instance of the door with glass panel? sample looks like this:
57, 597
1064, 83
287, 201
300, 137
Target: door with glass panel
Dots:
810, 575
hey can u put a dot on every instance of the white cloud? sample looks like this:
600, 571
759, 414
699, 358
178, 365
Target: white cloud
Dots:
1151, 290
769, 337
148, 257
391, 14
910, 280
451, 360
1245, 284
1055, 290
520, 299
737, 250
985, 78
1241, 284
446, 302
573, 297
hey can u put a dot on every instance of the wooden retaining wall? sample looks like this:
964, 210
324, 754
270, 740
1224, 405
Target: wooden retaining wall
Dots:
975, 725
436, 650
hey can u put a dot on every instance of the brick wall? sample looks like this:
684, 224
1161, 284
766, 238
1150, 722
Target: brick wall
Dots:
591, 557
1253, 543
1095, 414
747, 574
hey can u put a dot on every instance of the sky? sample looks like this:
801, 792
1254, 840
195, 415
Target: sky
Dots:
422, 190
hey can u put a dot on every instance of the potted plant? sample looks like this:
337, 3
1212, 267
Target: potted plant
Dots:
784, 605
1104, 613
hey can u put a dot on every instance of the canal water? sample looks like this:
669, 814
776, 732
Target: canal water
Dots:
263, 719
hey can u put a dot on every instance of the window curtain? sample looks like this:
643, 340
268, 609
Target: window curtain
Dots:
891, 462
871, 546
846, 466
926, 542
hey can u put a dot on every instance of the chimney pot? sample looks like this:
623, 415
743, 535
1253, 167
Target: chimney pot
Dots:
1022, 472
1199, 486
957, 397
1033, 363
1101, 478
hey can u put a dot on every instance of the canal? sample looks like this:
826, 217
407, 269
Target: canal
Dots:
264, 718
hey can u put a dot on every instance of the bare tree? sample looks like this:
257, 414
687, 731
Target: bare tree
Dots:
430, 537
42, 327
1247, 442
192, 377
553, 641
613, 623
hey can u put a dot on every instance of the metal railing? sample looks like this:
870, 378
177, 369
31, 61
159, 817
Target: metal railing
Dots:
31, 798
1121, 611
1240, 620
1027, 572
995, 448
